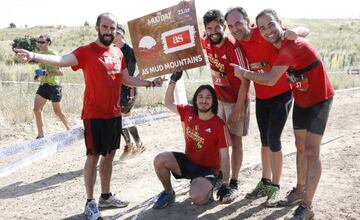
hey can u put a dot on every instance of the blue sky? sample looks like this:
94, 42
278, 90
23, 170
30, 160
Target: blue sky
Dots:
76, 12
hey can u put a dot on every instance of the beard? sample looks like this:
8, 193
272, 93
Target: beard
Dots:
221, 37
104, 41
204, 110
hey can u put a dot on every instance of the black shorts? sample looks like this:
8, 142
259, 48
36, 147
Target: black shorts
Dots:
49, 92
102, 135
189, 170
271, 116
312, 119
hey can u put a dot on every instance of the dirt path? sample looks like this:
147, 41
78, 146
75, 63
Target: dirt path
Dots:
53, 188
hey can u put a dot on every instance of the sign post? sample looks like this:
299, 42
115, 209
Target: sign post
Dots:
167, 40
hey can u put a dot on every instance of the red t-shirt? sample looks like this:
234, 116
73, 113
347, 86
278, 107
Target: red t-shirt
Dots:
315, 87
203, 138
102, 74
226, 84
260, 55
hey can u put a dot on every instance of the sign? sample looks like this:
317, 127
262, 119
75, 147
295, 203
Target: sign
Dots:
167, 40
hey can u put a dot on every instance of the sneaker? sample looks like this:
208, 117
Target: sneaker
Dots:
91, 211
39, 136
112, 201
303, 213
293, 197
233, 192
273, 196
164, 199
128, 149
139, 149
259, 191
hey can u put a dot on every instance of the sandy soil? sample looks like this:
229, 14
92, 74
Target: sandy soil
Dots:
53, 188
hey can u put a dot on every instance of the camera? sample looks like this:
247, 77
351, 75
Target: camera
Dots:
38, 73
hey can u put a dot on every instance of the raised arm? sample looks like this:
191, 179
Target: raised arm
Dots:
63, 61
169, 101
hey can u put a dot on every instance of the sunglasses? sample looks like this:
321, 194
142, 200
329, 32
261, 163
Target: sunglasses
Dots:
40, 42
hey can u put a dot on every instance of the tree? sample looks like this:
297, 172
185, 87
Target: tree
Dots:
12, 25
86, 24
27, 43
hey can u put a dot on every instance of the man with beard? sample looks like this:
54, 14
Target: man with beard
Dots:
313, 96
273, 104
104, 71
206, 148
232, 93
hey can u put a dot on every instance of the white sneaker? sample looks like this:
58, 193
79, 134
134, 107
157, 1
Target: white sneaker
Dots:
112, 201
91, 211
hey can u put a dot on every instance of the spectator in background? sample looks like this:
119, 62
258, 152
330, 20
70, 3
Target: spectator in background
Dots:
128, 96
49, 89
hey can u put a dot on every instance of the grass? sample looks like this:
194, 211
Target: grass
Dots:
337, 41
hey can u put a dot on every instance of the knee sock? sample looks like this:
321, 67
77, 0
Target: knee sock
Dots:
135, 134
125, 134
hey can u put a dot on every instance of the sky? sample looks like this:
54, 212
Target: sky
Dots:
76, 12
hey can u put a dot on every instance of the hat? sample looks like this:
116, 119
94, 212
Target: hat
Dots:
120, 29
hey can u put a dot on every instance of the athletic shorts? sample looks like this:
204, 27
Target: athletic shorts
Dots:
242, 127
271, 116
52, 93
102, 135
313, 118
189, 170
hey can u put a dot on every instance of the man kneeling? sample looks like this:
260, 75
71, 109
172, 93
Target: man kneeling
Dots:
206, 149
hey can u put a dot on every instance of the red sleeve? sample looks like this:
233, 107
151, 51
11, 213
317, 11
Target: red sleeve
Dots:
240, 55
79, 54
224, 136
183, 109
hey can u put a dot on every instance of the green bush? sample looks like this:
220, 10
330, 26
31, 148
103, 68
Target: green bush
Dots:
27, 43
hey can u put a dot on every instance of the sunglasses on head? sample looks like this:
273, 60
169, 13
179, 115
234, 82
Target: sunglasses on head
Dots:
40, 42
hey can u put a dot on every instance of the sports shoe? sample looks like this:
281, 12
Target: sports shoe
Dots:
39, 136
259, 191
112, 201
293, 197
303, 213
164, 199
128, 149
91, 211
233, 192
273, 196
139, 148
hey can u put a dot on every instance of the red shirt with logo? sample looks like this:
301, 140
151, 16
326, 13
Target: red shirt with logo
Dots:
314, 85
102, 74
260, 55
226, 84
203, 138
